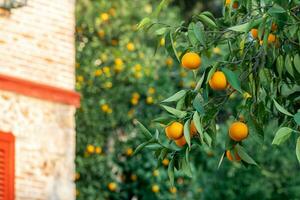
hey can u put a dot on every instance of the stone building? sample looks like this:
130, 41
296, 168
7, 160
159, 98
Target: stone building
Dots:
37, 101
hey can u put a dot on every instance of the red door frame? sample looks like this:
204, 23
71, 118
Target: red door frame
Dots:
10, 139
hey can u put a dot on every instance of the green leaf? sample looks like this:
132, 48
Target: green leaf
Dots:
297, 62
176, 96
164, 119
279, 65
282, 135
199, 84
197, 104
221, 160
145, 22
233, 79
199, 33
207, 21
169, 44
288, 65
211, 72
142, 146
276, 9
297, 118
162, 4
196, 119
171, 172
177, 113
246, 27
144, 130
161, 31
186, 131
281, 109
207, 139
298, 149
244, 155
186, 168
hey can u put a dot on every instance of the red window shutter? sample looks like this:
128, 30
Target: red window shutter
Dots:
7, 166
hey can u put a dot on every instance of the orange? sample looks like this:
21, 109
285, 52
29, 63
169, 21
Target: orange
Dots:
173, 190
174, 131
98, 150
181, 141
238, 131
130, 46
191, 61
129, 151
235, 5
218, 81
165, 162
254, 33
274, 27
104, 16
133, 177
155, 188
90, 148
229, 155
193, 130
271, 38
112, 186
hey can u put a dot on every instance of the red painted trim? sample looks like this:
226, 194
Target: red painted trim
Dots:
9, 139
38, 90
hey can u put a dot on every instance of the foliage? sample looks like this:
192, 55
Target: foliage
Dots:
259, 41
120, 80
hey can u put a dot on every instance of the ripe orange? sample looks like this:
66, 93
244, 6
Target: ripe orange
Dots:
218, 81
90, 148
229, 155
173, 190
174, 131
165, 162
133, 177
112, 186
238, 131
181, 141
271, 38
254, 33
274, 27
193, 130
191, 61
129, 151
235, 5
155, 188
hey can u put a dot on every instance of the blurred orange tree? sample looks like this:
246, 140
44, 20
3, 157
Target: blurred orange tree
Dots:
255, 81
120, 80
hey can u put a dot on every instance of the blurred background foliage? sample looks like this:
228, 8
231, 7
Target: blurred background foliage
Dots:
121, 77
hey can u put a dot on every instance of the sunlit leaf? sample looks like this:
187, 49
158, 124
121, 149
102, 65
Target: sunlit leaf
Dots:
177, 113
282, 135
281, 109
176, 96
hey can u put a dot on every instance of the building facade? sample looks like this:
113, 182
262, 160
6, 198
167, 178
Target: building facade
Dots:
37, 101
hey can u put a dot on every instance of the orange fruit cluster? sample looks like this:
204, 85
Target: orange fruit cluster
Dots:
175, 132
271, 37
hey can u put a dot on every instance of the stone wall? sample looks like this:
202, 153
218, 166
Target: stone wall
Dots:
37, 42
45, 146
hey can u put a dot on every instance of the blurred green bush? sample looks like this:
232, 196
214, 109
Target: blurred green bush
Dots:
121, 80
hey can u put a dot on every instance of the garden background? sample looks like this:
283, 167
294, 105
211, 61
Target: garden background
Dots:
122, 74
